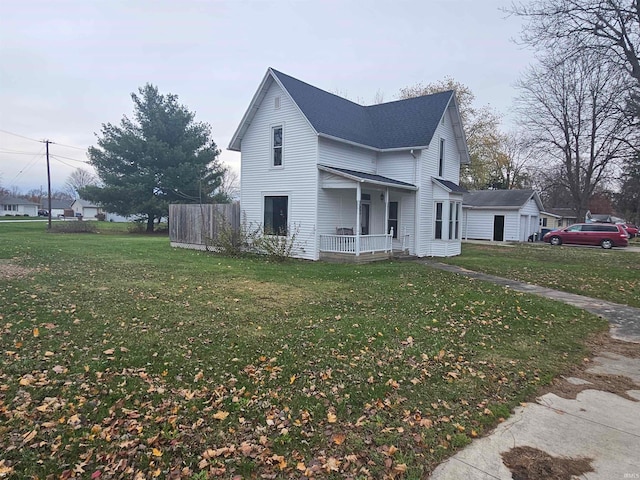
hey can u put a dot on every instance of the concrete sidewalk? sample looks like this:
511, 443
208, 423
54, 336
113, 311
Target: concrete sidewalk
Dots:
599, 428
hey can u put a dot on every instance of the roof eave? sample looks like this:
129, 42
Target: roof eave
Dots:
254, 105
363, 180
369, 147
460, 136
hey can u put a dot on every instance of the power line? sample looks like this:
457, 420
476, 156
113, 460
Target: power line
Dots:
30, 164
42, 141
55, 157
69, 146
21, 136
15, 152
68, 158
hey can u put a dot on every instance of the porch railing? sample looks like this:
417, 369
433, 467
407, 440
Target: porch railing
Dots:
356, 244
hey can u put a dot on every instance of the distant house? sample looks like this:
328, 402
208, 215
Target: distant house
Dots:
14, 206
558, 217
501, 215
57, 206
352, 180
85, 208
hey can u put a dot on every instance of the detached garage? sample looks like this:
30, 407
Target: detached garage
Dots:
500, 215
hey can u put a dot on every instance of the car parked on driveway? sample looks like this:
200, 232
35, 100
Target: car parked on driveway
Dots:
606, 235
632, 230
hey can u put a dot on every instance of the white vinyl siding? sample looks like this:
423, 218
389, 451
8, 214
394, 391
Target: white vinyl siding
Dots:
299, 177
518, 223
341, 155
399, 166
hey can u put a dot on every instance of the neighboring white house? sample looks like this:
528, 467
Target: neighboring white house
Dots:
13, 206
342, 176
86, 209
57, 206
501, 215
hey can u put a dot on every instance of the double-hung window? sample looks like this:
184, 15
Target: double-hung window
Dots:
393, 219
276, 139
454, 220
438, 225
276, 213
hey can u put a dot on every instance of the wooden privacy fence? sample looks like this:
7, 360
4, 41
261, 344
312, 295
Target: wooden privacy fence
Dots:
197, 224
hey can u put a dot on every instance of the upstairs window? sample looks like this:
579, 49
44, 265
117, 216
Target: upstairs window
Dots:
441, 159
277, 146
276, 213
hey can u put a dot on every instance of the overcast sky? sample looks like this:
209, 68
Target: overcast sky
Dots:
67, 67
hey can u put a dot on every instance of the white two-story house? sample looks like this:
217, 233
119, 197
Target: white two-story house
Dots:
352, 181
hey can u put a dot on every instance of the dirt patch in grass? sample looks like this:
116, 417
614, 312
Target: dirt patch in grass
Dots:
616, 384
271, 295
527, 463
10, 271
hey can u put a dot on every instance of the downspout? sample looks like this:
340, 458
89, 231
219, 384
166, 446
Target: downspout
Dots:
416, 214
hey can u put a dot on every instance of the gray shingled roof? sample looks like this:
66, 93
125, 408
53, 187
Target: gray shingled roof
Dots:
403, 123
15, 201
497, 198
454, 187
368, 176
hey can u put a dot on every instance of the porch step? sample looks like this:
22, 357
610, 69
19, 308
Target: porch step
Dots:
400, 255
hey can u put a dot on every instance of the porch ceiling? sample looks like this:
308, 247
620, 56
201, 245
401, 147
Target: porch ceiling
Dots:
362, 177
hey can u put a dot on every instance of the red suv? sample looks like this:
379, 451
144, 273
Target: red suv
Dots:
606, 235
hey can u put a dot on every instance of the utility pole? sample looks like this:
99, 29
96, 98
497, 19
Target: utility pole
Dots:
47, 142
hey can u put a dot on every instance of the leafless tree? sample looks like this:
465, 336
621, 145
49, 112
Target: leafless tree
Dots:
572, 109
230, 186
78, 179
610, 28
512, 164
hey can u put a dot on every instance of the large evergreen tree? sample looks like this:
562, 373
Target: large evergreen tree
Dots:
162, 156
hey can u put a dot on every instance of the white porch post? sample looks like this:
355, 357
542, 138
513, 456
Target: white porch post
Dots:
358, 220
386, 217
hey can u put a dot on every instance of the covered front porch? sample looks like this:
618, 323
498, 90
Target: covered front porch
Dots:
360, 216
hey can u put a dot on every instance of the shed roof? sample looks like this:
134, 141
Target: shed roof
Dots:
509, 199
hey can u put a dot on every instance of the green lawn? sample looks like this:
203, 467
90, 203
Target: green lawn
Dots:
124, 356
612, 275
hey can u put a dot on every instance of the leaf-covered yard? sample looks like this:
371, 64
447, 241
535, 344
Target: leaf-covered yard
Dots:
123, 358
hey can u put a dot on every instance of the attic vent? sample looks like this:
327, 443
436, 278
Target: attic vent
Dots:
276, 103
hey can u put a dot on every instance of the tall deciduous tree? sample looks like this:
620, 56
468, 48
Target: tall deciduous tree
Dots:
610, 28
509, 167
77, 180
480, 127
572, 109
160, 156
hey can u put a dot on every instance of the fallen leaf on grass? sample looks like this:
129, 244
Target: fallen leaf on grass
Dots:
332, 417
220, 415
339, 438
109, 351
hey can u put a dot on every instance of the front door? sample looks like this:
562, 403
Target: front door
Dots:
364, 218
498, 228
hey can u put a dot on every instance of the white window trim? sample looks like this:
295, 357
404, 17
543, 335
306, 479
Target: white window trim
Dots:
272, 147
435, 220
278, 194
